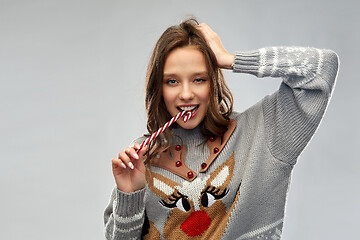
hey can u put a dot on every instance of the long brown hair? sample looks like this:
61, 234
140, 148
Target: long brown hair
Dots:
220, 101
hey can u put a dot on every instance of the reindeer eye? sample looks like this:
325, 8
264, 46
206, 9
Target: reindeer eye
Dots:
211, 194
183, 204
207, 199
177, 200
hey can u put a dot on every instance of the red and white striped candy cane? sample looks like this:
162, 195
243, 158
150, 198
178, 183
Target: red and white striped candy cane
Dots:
188, 115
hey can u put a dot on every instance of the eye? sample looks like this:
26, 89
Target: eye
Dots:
177, 200
207, 199
183, 204
199, 80
211, 194
171, 81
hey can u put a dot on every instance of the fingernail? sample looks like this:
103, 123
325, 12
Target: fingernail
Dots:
131, 165
135, 156
123, 165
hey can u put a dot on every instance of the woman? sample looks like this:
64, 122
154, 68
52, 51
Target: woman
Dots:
222, 174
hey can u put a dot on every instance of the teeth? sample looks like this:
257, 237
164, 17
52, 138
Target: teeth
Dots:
188, 108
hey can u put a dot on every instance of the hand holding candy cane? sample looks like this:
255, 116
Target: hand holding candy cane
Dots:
129, 169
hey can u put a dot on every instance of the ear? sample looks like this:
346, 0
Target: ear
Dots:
222, 174
160, 185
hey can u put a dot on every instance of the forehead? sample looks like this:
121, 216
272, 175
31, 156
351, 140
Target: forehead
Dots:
185, 59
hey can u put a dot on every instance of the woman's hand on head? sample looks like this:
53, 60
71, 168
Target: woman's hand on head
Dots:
129, 169
224, 58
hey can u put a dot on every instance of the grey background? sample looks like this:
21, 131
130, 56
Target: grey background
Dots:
72, 92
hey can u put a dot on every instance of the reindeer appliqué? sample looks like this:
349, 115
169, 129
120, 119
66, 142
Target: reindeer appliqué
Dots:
197, 210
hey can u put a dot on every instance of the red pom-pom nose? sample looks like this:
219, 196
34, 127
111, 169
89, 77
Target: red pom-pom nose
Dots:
196, 223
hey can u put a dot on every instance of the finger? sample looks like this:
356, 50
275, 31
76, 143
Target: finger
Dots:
201, 28
126, 159
208, 33
117, 163
136, 146
131, 152
201, 25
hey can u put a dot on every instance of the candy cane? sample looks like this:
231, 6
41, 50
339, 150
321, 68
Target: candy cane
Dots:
188, 115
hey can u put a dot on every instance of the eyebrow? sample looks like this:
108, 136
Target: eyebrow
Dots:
195, 74
169, 74
201, 73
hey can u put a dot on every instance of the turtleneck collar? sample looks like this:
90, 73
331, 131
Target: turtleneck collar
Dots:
188, 136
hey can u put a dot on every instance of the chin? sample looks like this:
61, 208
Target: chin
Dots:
188, 126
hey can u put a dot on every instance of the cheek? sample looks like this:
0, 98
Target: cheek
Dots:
205, 96
168, 97
206, 92
165, 94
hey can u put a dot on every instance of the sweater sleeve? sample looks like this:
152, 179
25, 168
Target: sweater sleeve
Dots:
124, 216
293, 113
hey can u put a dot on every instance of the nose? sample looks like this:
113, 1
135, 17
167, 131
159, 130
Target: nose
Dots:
196, 223
186, 92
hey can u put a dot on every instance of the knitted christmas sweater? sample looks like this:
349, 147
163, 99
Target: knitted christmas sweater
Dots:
234, 186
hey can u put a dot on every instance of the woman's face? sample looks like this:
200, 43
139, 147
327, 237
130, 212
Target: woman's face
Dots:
186, 84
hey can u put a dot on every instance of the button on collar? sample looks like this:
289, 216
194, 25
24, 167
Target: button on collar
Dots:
203, 165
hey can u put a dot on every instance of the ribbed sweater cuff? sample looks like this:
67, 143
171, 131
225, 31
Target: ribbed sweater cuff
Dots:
247, 62
129, 204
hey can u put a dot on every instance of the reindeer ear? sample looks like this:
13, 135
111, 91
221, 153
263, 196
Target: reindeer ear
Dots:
160, 185
222, 175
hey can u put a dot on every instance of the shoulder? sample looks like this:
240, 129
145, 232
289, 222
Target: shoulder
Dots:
251, 112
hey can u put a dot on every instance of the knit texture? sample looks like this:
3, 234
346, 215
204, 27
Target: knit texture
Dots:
242, 193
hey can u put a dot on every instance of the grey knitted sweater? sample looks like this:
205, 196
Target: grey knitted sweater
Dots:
234, 186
